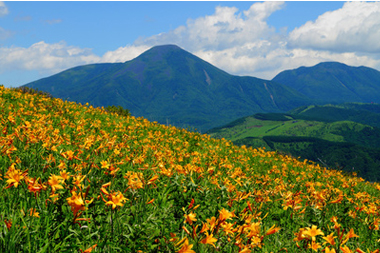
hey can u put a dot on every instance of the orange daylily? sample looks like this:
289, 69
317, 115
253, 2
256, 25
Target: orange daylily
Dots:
190, 218
209, 239
55, 182
186, 247
312, 232
116, 199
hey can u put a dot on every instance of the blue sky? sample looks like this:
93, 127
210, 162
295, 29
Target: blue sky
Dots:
39, 39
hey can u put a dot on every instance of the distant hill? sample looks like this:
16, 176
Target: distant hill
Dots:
345, 145
170, 85
368, 114
333, 82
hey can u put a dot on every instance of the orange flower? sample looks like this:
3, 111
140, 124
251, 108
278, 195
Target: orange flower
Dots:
209, 239
65, 175
351, 234
34, 186
116, 199
313, 232
150, 201
212, 222
68, 155
345, 249
299, 236
134, 180
190, 218
329, 239
89, 249
245, 250
14, 176
272, 230
55, 182
8, 223
204, 228
225, 214
186, 247
34, 213
76, 203
153, 179
314, 246
327, 250
77, 180
105, 164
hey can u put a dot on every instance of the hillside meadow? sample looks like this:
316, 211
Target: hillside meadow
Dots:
79, 179
346, 145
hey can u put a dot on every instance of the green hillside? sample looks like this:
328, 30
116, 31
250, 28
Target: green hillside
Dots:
75, 178
333, 82
341, 144
171, 86
368, 114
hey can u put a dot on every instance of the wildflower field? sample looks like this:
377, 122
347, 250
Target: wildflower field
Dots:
79, 179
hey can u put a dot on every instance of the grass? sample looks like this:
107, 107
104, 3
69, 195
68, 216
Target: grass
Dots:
78, 179
253, 127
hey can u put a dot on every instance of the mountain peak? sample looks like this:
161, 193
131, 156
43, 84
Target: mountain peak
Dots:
165, 47
158, 53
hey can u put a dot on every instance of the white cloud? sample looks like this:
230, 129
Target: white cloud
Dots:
123, 54
226, 28
44, 57
239, 42
353, 28
243, 43
3, 9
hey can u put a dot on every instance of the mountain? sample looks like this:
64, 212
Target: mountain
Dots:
342, 144
333, 82
170, 85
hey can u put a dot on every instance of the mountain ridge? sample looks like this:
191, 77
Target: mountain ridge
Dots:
170, 85
334, 82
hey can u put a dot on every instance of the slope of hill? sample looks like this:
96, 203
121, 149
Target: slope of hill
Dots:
341, 144
368, 114
333, 82
169, 85
78, 179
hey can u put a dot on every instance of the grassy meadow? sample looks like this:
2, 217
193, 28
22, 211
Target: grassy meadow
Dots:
79, 179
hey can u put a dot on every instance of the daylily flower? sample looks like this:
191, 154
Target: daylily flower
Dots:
209, 239
116, 199
55, 182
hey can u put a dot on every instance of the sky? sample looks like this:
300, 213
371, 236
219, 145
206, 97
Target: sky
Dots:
260, 39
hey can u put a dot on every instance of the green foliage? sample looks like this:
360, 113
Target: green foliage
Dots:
273, 116
118, 110
25, 89
76, 178
314, 136
368, 114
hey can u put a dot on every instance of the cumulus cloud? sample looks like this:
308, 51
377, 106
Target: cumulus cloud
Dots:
353, 28
3, 9
123, 54
243, 43
44, 57
226, 28
236, 41
240, 42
